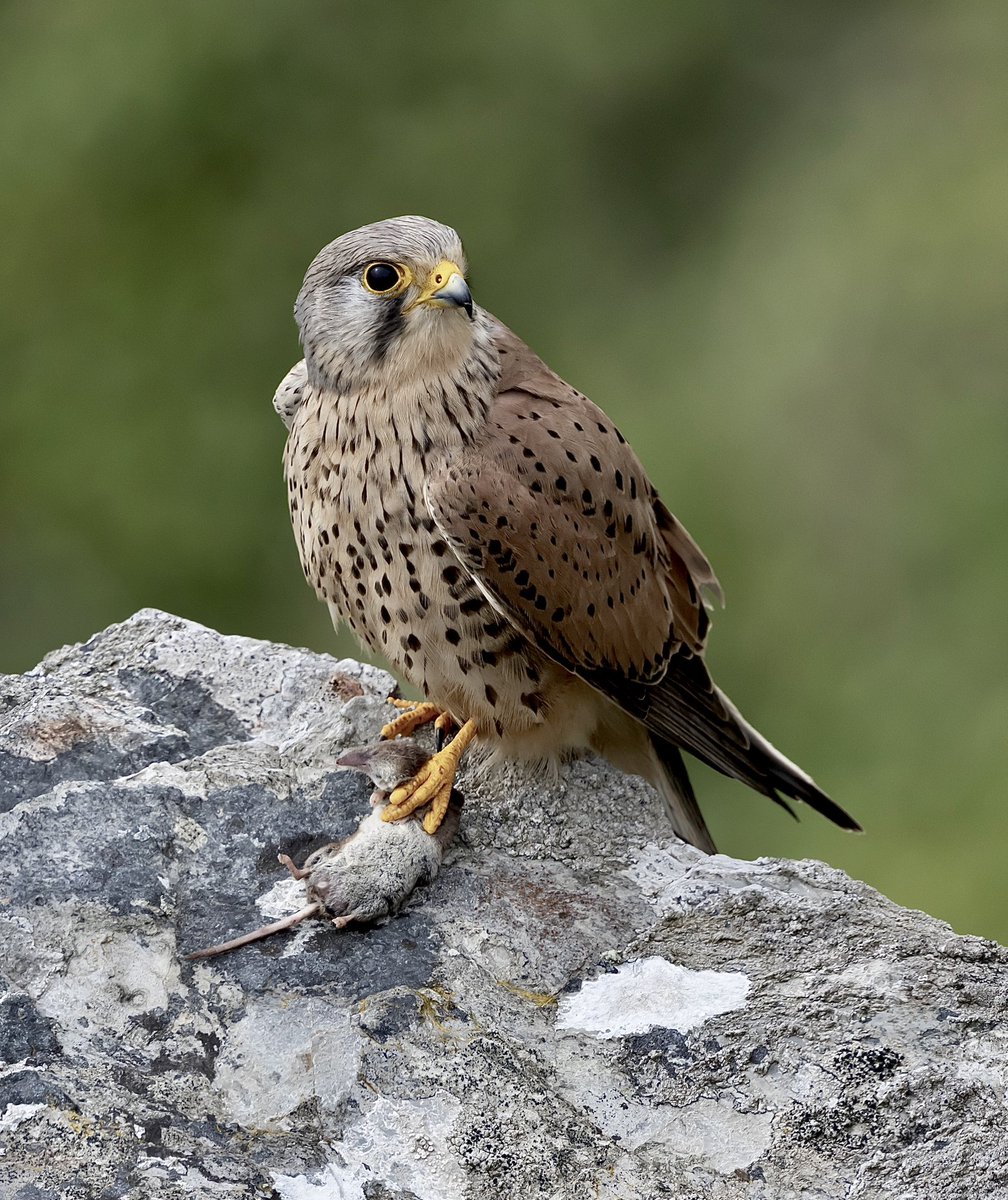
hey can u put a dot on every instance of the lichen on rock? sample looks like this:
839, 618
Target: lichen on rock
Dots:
787, 1032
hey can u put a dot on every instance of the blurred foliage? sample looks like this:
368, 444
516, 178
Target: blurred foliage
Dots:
769, 238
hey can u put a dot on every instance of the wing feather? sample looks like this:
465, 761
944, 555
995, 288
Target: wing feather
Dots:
555, 516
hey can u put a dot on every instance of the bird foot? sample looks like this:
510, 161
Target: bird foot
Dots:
432, 784
414, 715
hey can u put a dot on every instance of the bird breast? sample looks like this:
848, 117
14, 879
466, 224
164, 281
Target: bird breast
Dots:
356, 464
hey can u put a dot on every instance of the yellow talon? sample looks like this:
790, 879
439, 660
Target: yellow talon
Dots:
414, 715
444, 723
432, 784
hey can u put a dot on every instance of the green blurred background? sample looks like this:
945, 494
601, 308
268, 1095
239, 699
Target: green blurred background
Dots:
771, 239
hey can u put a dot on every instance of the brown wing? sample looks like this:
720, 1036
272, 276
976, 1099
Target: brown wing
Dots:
554, 515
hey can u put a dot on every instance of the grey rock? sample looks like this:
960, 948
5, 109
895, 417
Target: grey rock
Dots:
578, 1006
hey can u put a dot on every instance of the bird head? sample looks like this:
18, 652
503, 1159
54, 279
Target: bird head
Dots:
389, 299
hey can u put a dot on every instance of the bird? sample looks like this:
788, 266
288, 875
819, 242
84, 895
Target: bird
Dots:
486, 529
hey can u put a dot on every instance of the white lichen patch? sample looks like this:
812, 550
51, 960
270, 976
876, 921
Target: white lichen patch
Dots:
286, 896
190, 834
329, 1183
711, 1130
658, 871
280, 1055
400, 1145
651, 993
18, 1114
109, 979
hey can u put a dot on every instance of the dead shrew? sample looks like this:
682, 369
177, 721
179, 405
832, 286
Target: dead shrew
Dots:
372, 873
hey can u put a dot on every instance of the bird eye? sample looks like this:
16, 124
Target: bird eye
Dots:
382, 277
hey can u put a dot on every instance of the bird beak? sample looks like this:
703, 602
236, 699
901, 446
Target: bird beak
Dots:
446, 288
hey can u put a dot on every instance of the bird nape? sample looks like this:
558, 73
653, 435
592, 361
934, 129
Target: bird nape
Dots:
487, 530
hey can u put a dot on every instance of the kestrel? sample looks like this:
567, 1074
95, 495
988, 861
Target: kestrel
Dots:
488, 530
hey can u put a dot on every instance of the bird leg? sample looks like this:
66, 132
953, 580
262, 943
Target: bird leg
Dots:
432, 784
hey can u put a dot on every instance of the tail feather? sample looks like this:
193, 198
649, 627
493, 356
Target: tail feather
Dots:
673, 782
687, 711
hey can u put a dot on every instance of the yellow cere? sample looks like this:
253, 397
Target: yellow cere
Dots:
436, 280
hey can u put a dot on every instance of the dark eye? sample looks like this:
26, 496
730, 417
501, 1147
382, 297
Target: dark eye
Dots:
381, 277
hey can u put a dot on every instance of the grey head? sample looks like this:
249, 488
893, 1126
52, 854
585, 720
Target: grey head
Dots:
389, 299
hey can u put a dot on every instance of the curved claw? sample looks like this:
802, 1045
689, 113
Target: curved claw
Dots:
442, 729
432, 784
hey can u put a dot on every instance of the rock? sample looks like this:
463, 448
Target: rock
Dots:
578, 1006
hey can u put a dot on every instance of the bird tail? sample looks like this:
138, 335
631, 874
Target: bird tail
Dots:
774, 773
686, 711
672, 780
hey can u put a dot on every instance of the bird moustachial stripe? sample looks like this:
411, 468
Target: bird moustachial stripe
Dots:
488, 530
